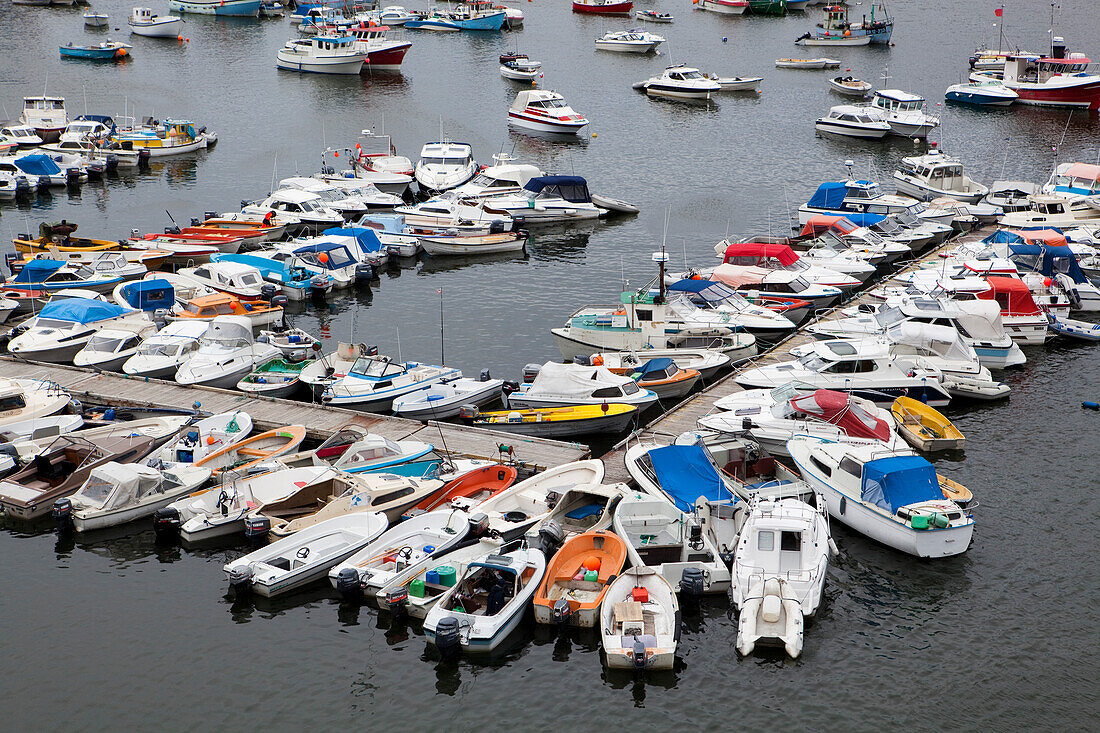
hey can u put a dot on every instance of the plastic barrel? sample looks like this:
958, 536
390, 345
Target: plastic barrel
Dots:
448, 576
416, 588
918, 521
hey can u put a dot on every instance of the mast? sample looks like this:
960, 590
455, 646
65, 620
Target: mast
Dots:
660, 258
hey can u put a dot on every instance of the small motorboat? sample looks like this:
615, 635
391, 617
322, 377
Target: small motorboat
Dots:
65, 326
290, 340
478, 244
105, 51
640, 621
737, 83
680, 82
144, 22
202, 438
578, 577
93, 19
109, 348
444, 165
203, 309
395, 15
519, 67
708, 363
322, 55
557, 422
239, 280
162, 354
116, 493
818, 63
435, 21
1074, 329
632, 41
242, 455
653, 16
991, 93
851, 121
567, 385
279, 376
418, 589
662, 376
724, 7
469, 489
543, 110
227, 352
487, 603
372, 453
441, 401
373, 382
516, 509
306, 556
905, 113
924, 428
850, 86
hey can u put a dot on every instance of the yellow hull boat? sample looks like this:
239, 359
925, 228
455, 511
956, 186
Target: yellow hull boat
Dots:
923, 427
559, 422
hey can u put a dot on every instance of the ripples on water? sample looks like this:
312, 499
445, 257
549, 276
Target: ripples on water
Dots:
110, 631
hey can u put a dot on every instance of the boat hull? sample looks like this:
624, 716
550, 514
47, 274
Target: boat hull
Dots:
834, 41
674, 92
386, 59
604, 425
1085, 95
517, 119
979, 99
863, 133
167, 29
605, 9
228, 8
346, 66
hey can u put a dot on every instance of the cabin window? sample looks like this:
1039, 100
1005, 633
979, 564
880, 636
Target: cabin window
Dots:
765, 540
224, 309
1002, 300
392, 496
12, 402
645, 315
821, 466
850, 466
607, 392
790, 541
864, 365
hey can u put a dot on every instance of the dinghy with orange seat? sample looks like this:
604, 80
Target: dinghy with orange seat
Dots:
251, 451
470, 489
577, 579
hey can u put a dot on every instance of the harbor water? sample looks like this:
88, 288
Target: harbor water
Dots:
111, 631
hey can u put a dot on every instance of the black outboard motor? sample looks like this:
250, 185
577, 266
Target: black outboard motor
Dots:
561, 612
143, 158
209, 215
510, 386
582, 359
692, 582
551, 536
372, 350
256, 529
639, 653
695, 537
348, 585
517, 223
446, 636
280, 301
364, 273
172, 229
397, 600
166, 524
268, 291
484, 376
318, 287
240, 579
63, 515
479, 523
496, 226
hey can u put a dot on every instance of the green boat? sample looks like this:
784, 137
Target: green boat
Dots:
768, 7
278, 377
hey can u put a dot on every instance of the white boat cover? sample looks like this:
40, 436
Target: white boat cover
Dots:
944, 341
229, 329
115, 485
574, 380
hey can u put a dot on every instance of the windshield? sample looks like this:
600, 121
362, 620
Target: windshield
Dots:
160, 349
889, 317
51, 323
814, 363
104, 343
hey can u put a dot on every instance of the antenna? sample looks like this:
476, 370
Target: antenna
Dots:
442, 347
274, 168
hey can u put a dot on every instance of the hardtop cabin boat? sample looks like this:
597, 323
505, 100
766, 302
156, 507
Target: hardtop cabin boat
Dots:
1060, 80
991, 93
322, 55
854, 121
723, 7
603, 7
227, 352
927, 176
63, 327
445, 165
836, 29
46, 115
166, 137
1061, 211
23, 136
905, 113
373, 382
144, 22
847, 198
632, 41
680, 82
547, 199
299, 210
383, 53
160, 355
566, 385
544, 110
205, 308
504, 177
239, 280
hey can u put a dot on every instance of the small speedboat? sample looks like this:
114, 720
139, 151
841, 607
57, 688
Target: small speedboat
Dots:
653, 16
162, 354
106, 51
93, 19
279, 376
1074, 329
543, 110
990, 93
227, 352
632, 41
444, 165
557, 422
468, 490
578, 577
373, 382
116, 493
441, 401
566, 385
737, 83
418, 589
205, 437
662, 376
680, 82
924, 427
640, 621
110, 348
239, 456
513, 511
478, 244
852, 121
850, 86
519, 67
64, 327
819, 63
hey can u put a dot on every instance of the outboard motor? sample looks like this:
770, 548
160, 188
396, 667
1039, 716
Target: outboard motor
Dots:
195, 221
268, 291
372, 350
468, 413
496, 226
63, 515
692, 582
530, 371
256, 529
240, 579
112, 162
551, 536
397, 600
561, 612
639, 654
510, 386
364, 273
446, 636
517, 222
172, 229
582, 359
72, 176
209, 215
348, 585
479, 523
166, 524
484, 376
695, 537
280, 301
143, 158
318, 286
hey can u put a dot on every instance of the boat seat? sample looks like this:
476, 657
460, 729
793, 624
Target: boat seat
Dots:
583, 512
281, 563
649, 640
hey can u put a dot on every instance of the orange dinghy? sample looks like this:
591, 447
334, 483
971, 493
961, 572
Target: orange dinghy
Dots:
250, 451
469, 489
577, 579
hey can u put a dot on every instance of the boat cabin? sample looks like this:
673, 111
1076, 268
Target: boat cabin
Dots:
1028, 69
444, 153
229, 274
44, 110
211, 306
12, 399
765, 255
781, 538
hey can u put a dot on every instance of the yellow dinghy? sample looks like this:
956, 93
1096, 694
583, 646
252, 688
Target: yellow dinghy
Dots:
923, 427
58, 237
556, 422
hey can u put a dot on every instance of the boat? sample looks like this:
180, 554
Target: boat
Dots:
371, 453
232, 8
513, 511
165, 137
777, 584
543, 110
723, 7
836, 29
545, 199
991, 93
94, 19
661, 375
297, 209
38, 170
161, 354
778, 257
768, 7
603, 7
61, 467
905, 113
204, 437
241, 281
205, 308
373, 382
705, 361
144, 22
854, 121
468, 490
925, 428
444, 165
306, 556
680, 82
519, 67
753, 281
1074, 329
24, 402
50, 276
401, 550
578, 577
23, 136
64, 327
487, 603
227, 352
276, 377
478, 15
632, 41
116, 493
807, 39
331, 367
653, 16
292, 280
568, 385
893, 497
640, 621
321, 55
110, 348
478, 244
1022, 318
853, 197
1059, 80
383, 53
818, 63
441, 401
925, 177
241, 455
557, 422
395, 15
736, 83
434, 21
672, 542
850, 86
448, 214
46, 115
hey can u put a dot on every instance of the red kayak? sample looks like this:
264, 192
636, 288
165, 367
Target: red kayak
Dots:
602, 7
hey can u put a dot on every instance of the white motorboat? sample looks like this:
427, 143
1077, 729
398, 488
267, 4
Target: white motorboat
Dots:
578, 509
318, 375
23, 402
478, 244
487, 603
373, 382
832, 255
444, 165
296, 209
503, 177
352, 203
894, 497
564, 385
772, 417
306, 556
546, 199
520, 68
991, 93
660, 536
512, 512
653, 16
865, 197
373, 453
1060, 211
1011, 196
227, 351
449, 211
818, 63
724, 7
850, 86
110, 348
905, 113
705, 361
404, 592
854, 121
736, 83
161, 354
46, 115
680, 82
144, 22
322, 55
753, 282
64, 327
632, 41
401, 550
925, 177
93, 19
116, 493
395, 15
24, 136
778, 257
543, 110
640, 621
441, 401
234, 278
204, 437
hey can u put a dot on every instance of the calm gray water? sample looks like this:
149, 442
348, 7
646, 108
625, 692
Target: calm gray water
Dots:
112, 632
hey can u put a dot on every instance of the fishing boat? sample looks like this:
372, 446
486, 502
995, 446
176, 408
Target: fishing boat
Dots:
232, 8
724, 7
836, 29
487, 603
478, 244
206, 308
520, 68
603, 7
577, 578
680, 82
116, 493
992, 93
373, 382
243, 454
94, 19
162, 354
653, 16
165, 137
818, 63
854, 121
672, 542
46, 115
1060, 80
632, 41
850, 86
144, 22
306, 556
321, 55
64, 327
924, 428
807, 39
441, 401
478, 15
204, 437
276, 377
640, 621
110, 348
543, 110
227, 352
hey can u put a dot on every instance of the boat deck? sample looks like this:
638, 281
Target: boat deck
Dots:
685, 416
118, 390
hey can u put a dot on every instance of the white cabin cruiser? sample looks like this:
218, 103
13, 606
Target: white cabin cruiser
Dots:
144, 22
227, 352
447, 210
24, 402
373, 382
854, 121
905, 113
234, 278
352, 204
116, 493
547, 199
297, 209
926, 177
1061, 211
161, 354
64, 327
505, 177
110, 348
632, 41
680, 82
562, 385
322, 55
543, 110
444, 165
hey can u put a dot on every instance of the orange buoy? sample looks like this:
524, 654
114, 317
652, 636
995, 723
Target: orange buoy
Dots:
323, 257
211, 440
591, 563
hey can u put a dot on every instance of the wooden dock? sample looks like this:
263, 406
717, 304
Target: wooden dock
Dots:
684, 417
119, 390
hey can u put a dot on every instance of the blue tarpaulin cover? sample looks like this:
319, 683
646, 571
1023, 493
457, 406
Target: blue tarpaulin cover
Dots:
708, 290
36, 271
1049, 261
687, 472
898, 481
81, 310
37, 165
654, 365
149, 295
366, 238
829, 195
